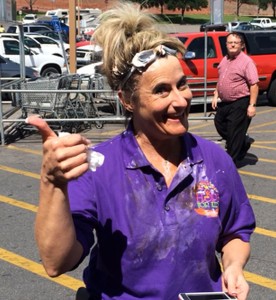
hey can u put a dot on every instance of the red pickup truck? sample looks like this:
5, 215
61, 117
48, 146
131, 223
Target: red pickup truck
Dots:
206, 50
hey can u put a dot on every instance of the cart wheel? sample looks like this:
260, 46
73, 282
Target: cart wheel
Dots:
99, 125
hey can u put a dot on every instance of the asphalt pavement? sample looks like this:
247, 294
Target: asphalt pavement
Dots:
21, 273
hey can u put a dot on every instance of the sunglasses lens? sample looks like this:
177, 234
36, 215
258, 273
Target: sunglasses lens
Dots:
146, 56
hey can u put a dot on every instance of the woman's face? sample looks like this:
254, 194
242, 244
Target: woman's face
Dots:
164, 100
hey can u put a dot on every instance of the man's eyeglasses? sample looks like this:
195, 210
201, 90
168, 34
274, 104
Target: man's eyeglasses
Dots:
143, 59
235, 43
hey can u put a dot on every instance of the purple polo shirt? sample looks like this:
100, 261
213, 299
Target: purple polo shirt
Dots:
155, 242
236, 76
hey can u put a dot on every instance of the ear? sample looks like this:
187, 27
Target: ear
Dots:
126, 103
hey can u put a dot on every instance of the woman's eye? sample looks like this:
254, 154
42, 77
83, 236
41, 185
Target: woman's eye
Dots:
161, 91
182, 85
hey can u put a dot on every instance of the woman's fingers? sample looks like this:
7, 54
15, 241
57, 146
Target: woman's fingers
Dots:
42, 127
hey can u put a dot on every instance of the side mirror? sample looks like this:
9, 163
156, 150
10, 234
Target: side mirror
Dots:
189, 55
27, 51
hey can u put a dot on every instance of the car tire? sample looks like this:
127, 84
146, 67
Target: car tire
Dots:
271, 95
49, 71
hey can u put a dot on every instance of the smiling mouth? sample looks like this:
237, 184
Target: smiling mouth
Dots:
175, 116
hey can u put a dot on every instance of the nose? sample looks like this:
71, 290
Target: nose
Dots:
181, 98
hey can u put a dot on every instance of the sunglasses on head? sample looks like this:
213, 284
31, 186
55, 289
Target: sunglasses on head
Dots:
143, 59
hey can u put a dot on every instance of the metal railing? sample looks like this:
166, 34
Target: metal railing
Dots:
68, 104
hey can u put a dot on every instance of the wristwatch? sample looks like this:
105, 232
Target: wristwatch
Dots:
253, 104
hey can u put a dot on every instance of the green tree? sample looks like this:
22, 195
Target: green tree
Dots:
151, 3
273, 5
241, 2
31, 3
183, 5
186, 5
263, 4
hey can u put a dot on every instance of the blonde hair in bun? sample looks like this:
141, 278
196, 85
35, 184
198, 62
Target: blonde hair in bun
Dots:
124, 31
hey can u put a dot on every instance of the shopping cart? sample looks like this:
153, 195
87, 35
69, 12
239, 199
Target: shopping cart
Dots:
106, 95
39, 97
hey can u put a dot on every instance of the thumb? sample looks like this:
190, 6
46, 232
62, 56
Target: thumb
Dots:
42, 127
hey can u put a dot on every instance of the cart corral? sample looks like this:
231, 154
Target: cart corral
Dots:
70, 103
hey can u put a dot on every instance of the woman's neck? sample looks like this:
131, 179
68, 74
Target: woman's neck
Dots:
165, 156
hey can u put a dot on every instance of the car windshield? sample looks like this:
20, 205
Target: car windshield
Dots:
45, 41
29, 18
30, 43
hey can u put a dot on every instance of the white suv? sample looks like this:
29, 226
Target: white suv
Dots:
30, 18
41, 44
44, 64
49, 45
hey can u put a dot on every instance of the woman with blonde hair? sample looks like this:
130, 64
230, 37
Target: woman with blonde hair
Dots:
161, 201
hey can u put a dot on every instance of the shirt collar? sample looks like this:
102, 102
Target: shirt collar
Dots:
134, 157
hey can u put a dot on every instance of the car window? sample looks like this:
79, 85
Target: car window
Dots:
37, 28
45, 40
222, 41
198, 45
265, 44
29, 18
12, 29
12, 48
30, 43
182, 39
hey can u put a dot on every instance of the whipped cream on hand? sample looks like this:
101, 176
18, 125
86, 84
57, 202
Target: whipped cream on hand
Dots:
95, 159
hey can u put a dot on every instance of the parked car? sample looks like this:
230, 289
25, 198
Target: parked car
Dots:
208, 26
30, 43
55, 36
90, 69
28, 28
80, 42
42, 44
266, 23
44, 64
49, 45
236, 24
259, 45
230, 26
55, 24
88, 54
248, 26
10, 69
29, 19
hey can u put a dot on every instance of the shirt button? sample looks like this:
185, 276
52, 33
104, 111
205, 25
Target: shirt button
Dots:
167, 208
159, 187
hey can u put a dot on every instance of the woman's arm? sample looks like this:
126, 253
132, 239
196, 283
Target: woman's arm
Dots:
235, 255
63, 159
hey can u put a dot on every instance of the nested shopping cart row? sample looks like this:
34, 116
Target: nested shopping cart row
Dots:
72, 96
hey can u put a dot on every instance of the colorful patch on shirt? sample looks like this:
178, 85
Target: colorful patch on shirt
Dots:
207, 199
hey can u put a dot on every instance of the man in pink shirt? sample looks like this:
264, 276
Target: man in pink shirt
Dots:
237, 88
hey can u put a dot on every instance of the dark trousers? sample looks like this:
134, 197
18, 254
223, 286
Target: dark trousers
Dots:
82, 294
232, 122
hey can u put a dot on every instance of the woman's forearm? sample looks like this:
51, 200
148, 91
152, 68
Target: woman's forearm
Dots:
55, 232
235, 252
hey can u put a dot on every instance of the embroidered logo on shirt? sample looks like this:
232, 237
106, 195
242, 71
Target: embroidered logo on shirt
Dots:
207, 199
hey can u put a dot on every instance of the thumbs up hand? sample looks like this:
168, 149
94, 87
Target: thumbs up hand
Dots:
64, 158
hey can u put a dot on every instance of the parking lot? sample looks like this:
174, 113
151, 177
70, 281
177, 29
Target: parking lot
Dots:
22, 275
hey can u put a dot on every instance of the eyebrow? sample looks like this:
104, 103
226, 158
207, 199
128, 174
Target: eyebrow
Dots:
164, 84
